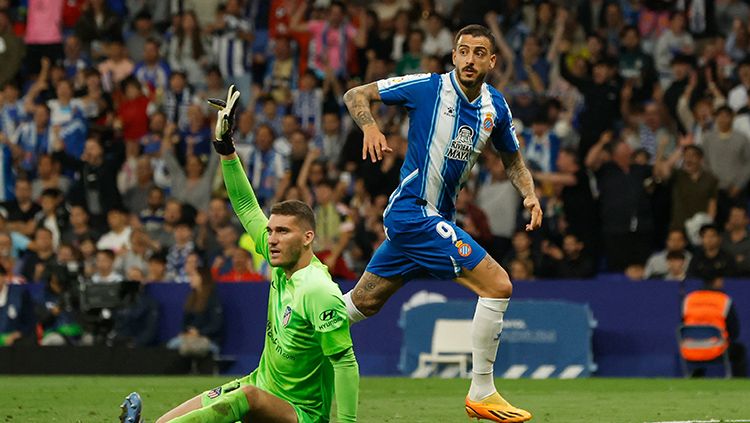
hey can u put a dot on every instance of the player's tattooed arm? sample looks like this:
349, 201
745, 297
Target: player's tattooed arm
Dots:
520, 177
358, 100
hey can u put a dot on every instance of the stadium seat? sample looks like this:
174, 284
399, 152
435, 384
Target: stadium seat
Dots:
702, 337
451, 344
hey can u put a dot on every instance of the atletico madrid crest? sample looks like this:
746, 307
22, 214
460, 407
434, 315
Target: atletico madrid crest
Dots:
287, 316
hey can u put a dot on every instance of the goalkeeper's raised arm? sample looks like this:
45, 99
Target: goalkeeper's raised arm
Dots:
238, 186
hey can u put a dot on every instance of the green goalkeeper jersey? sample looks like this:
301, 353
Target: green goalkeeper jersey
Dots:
307, 319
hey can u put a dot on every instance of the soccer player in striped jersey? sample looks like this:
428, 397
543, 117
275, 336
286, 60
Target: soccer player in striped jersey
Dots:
452, 116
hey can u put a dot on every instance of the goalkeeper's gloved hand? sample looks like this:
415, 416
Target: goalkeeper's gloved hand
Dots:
223, 142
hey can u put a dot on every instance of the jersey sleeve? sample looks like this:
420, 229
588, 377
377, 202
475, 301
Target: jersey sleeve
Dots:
503, 135
404, 90
325, 310
245, 204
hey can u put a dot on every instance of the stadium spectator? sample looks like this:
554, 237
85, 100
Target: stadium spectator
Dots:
178, 253
78, 227
95, 183
541, 147
14, 49
157, 268
738, 98
132, 118
187, 50
38, 258
674, 40
676, 267
48, 177
105, 269
472, 219
53, 215
712, 306
203, 318
118, 238
521, 270
657, 264
496, 197
241, 269
74, 61
334, 230
22, 209
332, 39
58, 312
601, 105
153, 71
34, 137
438, 38
266, 166
96, 25
209, 227
727, 157
736, 241
711, 261
694, 190
522, 249
143, 31
43, 32
117, 67
570, 262
136, 198
16, 314
137, 254
625, 209
231, 36
177, 101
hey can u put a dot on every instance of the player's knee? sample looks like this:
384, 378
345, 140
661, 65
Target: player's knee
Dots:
500, 287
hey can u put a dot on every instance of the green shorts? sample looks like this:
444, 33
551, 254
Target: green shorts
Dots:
215, 394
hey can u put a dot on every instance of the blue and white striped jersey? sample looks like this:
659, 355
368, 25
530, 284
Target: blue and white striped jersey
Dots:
447, 133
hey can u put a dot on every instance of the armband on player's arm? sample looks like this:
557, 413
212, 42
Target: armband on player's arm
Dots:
245, 204
346, 384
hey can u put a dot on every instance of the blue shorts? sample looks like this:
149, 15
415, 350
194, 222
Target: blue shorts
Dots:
417, 246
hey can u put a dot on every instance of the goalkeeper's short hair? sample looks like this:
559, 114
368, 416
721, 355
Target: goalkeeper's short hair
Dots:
298, 209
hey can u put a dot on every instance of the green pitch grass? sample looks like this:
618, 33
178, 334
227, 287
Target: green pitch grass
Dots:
96, 399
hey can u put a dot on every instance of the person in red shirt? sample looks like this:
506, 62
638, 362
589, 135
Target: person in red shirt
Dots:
131, 113
242, 269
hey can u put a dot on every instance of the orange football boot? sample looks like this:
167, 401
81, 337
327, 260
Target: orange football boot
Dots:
496, 409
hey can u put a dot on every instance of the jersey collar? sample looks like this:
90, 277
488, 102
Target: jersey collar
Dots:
461, 93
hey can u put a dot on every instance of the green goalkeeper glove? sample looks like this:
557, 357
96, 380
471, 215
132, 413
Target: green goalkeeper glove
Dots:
223, 142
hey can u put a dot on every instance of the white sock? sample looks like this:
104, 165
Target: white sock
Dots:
485, 336
354, 314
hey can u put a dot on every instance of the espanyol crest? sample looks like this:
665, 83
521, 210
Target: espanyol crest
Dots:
287, 316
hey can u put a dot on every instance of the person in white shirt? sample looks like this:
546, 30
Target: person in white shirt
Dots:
737, 98
105, 260
118, 237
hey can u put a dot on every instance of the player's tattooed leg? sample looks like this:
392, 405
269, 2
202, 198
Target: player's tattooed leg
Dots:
488, 279
372, 291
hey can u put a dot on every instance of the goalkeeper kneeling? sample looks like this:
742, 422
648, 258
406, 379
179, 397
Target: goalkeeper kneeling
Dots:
308, 352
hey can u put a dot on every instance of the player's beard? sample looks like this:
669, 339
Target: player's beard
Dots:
472, 83
289, 258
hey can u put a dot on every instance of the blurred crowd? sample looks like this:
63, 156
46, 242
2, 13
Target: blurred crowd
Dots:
632, 114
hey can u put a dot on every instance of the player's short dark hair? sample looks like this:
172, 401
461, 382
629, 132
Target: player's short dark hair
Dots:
298, 209
477, 31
